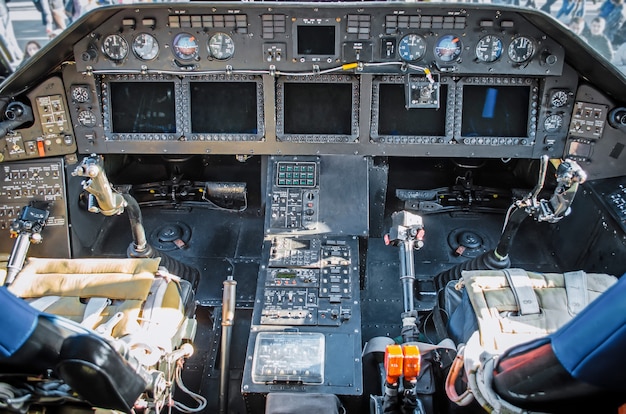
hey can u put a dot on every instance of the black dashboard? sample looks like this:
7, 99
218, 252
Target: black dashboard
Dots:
285, 146
371, 79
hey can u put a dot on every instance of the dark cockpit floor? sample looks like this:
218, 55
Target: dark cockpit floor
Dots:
222, 244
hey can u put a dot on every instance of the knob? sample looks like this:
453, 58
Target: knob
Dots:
89, 54
548, 58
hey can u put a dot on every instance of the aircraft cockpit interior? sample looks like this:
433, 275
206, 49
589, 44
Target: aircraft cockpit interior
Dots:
313, 207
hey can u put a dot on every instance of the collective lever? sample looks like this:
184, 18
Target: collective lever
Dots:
407, 231
26, 229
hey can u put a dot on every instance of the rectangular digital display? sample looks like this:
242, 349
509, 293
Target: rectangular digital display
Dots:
495, 111
395, 119
224, 107
316, 40
317, 108
296, 357
142, 107
580, 149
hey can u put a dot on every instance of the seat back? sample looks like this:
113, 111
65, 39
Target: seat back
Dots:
128, 299
35, 343
109, 328
582, 361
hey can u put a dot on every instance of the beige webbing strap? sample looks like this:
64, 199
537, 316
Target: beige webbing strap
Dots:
155, 298
93, 310
523, 291
576, 291
44, 302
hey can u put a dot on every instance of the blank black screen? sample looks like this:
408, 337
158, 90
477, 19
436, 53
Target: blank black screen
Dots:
316, 40
318, 108
395, 119
495, 111
142, 107
224, 107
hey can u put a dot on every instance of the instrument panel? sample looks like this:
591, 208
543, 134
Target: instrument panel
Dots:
363, 79
380, 39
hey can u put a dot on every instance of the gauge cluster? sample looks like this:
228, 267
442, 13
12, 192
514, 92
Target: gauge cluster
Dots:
380, 39
380, 78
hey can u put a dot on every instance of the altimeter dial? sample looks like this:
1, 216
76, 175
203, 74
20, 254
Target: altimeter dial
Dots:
145, 46
115, 47
80, 93
521, 49
558, 98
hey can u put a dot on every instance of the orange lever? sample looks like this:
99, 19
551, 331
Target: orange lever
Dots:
393, 363
412, 362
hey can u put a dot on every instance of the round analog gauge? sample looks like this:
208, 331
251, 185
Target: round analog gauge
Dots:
115, 47
489, 49
412, 47
521, 49
185, 46
145, 46
553, 123
558, 98
221, 46
87, 118
80, 93
448, 48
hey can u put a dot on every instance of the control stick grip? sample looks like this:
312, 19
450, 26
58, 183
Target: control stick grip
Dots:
109, 202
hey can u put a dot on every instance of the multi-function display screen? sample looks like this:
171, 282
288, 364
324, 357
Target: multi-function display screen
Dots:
317, 108
316, 40
224, 107
495, 111
142, 108
395, 119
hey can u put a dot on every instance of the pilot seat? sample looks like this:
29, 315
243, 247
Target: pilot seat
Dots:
105, 333
578, 361
581, 364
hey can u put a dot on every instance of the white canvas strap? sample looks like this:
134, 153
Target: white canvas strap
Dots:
523, 291
576, 291
155, 298
93, 310
44, 302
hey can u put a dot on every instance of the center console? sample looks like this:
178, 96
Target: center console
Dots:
306, 323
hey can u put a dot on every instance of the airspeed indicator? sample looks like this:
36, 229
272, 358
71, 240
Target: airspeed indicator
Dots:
489, 49
145, 46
